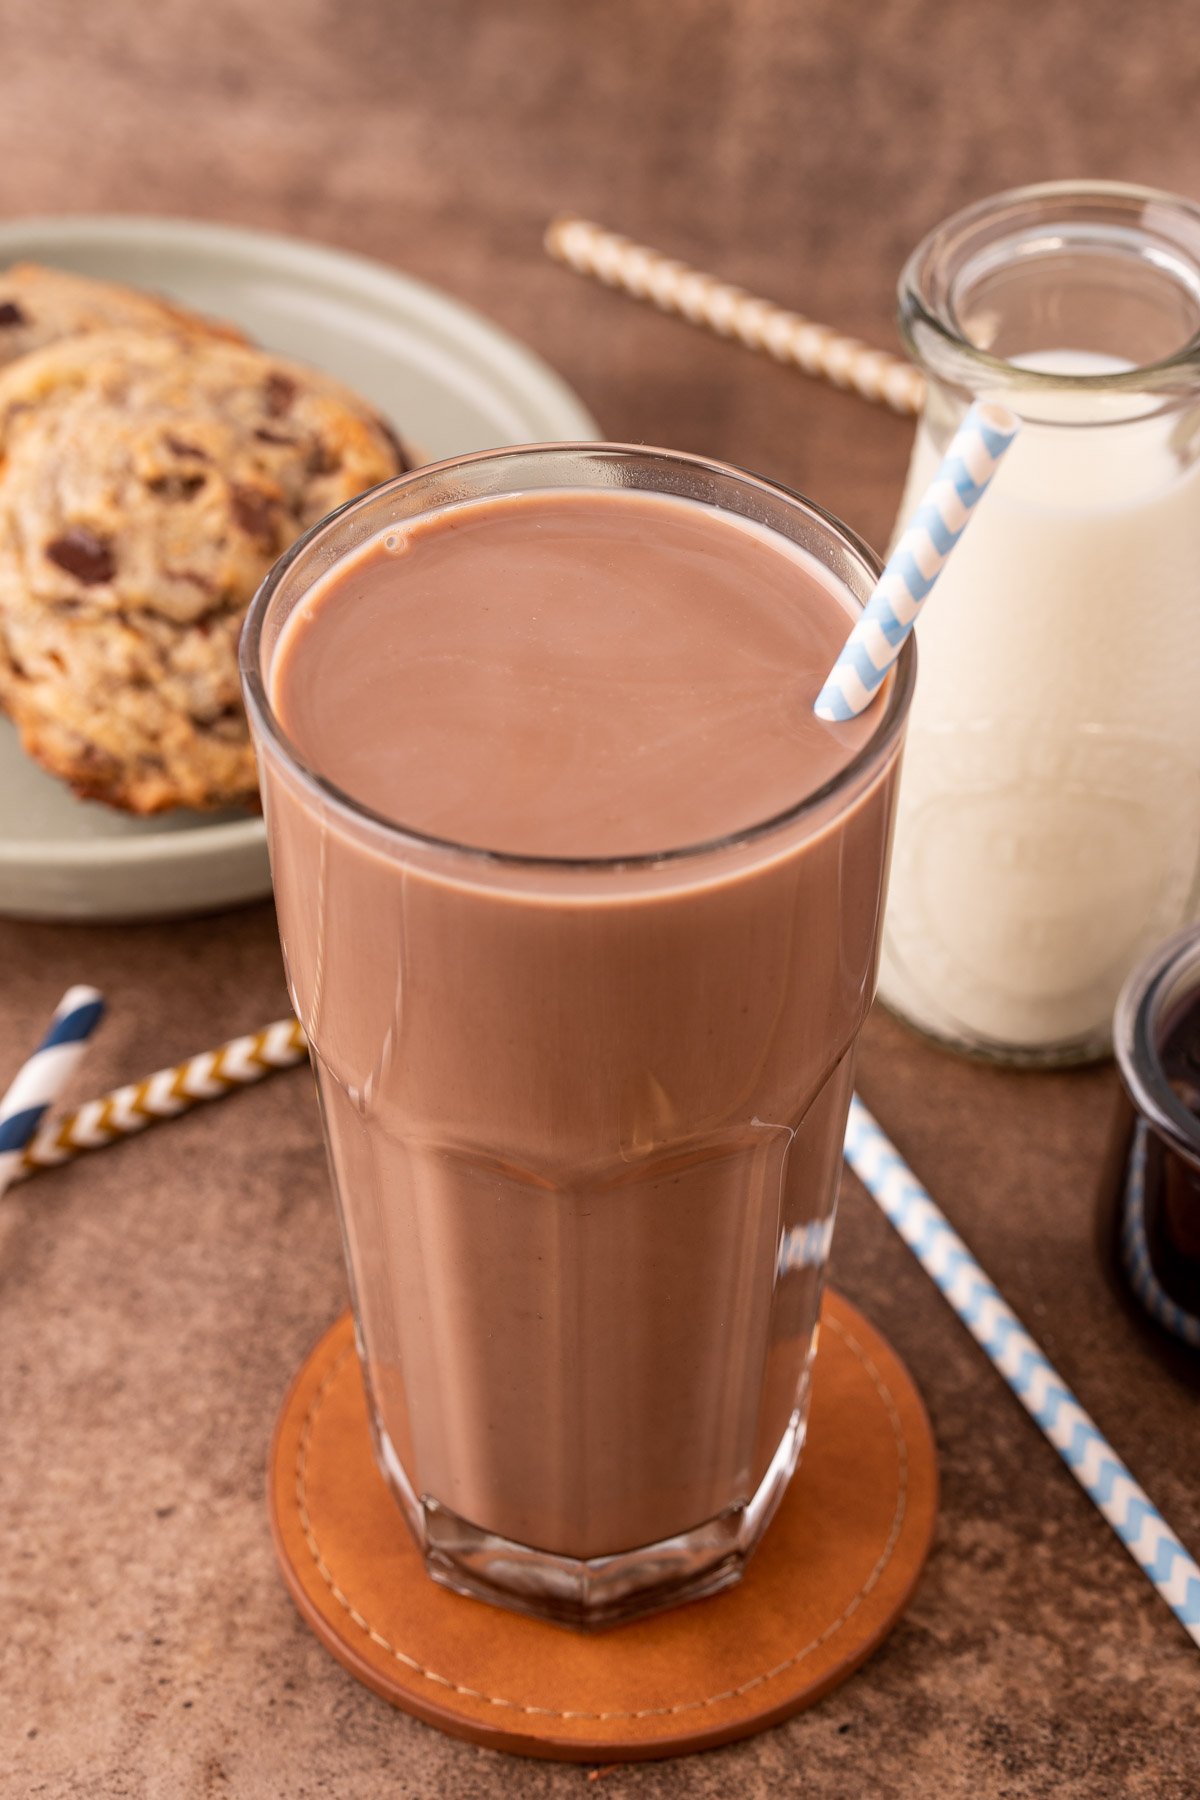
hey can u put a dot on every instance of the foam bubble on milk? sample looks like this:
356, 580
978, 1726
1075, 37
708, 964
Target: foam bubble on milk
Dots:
1049, 819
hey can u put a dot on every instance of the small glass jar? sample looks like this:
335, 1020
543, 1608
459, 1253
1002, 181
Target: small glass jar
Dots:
1150, 1203
1049, 821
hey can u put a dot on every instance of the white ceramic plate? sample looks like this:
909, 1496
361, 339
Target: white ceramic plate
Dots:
447, 380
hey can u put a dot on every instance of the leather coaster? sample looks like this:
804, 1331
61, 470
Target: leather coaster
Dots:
832, 1575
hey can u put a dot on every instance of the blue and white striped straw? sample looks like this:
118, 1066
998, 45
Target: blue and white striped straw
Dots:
1040, 1389
916, 562
41, 1080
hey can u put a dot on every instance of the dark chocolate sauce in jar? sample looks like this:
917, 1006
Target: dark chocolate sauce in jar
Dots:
1172, 1199
1151, 1195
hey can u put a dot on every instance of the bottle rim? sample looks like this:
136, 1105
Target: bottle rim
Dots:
1167, 224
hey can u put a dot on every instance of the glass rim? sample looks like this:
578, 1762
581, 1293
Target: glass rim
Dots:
916, 311
1146, 995
270, 728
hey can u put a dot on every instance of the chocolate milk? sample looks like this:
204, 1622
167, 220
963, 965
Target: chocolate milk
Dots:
584, 1095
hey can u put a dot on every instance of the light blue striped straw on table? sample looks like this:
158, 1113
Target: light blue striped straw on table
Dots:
40, 1080
1033, 1379
917, 561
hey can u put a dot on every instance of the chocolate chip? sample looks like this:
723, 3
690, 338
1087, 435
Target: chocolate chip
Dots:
177, 487
84, 554
11, 314
272, 437
92, 757
190, 575
257, 513
280, 392
178, 447
402, 462
321, 459
205, 623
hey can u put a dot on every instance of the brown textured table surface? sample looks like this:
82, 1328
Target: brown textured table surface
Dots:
155, 1299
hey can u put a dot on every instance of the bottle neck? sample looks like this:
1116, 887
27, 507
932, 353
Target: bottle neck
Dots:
1073, 302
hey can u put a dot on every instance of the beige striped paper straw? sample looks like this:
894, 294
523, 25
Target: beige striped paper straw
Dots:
164, 1095
675, 287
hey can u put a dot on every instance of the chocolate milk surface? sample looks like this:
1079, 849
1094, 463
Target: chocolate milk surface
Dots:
570, 675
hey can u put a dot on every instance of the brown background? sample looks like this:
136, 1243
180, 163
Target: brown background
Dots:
154, 1301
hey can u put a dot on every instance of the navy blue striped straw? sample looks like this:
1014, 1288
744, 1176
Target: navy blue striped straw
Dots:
42, 1078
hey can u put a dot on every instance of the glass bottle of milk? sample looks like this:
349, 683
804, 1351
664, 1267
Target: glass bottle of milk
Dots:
1048, 832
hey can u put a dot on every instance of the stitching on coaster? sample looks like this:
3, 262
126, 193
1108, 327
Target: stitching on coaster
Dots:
649, 1712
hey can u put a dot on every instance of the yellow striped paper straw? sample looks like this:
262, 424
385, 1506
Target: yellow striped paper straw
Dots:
164, 1095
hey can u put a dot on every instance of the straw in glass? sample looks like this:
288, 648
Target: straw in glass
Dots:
1033, 1379
916, 562
41, 1079
676, 287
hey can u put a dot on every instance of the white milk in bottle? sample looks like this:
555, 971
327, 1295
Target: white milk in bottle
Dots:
1048, 831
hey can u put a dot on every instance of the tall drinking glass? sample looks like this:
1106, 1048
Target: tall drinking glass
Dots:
584, 1115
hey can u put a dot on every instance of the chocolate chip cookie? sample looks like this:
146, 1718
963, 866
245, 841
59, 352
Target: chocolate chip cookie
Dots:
39, 306
147, 483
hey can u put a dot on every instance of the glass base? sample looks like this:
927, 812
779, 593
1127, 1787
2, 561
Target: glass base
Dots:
1071, 1053
604, 1590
